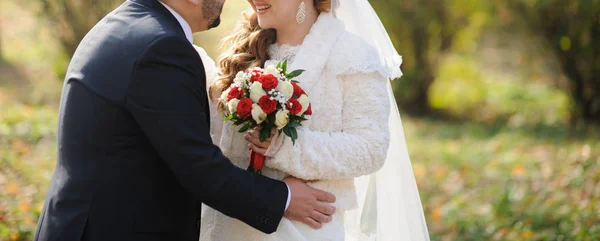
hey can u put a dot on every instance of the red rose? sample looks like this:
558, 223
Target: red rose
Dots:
309, 110
267, 105
235, 92
268, 81
297, 90
294, 106
244, 108
255, 75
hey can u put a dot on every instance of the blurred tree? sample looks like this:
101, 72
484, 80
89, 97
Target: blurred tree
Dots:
72, 19
572, 30
423, 30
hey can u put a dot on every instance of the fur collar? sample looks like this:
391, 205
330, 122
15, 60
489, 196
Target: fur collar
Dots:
315, 50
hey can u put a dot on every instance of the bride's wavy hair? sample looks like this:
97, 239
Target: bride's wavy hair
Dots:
246, 47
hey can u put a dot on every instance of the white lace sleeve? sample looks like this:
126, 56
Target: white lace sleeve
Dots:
359, 149
216, 121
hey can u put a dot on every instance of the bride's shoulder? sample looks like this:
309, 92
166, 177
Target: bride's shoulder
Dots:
351, 54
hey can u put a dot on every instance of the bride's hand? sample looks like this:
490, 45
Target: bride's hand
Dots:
255, 144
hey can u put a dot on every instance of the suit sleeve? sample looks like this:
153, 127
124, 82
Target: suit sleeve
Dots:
167, 98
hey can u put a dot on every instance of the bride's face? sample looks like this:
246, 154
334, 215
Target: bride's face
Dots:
275, 14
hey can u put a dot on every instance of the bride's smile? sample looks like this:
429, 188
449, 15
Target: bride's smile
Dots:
262, 9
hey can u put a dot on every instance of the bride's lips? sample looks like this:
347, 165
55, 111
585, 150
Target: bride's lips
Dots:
262, 8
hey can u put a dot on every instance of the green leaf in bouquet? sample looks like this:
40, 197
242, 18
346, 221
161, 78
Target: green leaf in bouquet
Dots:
271, 117
239, 122
287, 131
284, 66
294, 74
245, 128
295, 118
278, 65
294, 124
229, 117
295, 81
294, 135
264, 133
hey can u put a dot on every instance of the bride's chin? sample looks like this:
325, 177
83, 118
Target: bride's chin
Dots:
264, 24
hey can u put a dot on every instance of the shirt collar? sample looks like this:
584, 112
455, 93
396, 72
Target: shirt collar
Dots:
186, 27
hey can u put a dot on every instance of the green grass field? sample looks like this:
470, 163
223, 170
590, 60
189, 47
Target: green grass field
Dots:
513, 170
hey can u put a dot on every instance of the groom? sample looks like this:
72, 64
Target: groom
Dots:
135, 157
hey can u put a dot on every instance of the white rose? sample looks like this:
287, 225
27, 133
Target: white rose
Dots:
281, 119
256, 91
232, 105
286, 88
258, 114
224, 96
272, 70
304, 102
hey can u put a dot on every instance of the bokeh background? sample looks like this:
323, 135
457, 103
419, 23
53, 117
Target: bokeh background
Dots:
500, 102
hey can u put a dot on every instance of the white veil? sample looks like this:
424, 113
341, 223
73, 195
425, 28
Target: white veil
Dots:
389, 203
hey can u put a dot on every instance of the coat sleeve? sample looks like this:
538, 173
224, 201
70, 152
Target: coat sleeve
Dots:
168, 100
358, 149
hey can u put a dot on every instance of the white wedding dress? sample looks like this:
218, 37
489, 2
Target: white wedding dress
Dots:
354, 131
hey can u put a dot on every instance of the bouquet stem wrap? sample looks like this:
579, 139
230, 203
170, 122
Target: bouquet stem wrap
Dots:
257, 162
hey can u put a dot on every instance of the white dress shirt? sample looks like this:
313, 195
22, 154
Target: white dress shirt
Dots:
188, 34
186, 27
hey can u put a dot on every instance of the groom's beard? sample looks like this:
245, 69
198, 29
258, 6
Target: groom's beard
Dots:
215, 23
212, 11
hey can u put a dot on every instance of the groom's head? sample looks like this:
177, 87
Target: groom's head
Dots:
200, 14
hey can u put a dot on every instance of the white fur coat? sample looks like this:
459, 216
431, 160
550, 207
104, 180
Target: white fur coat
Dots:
347, 135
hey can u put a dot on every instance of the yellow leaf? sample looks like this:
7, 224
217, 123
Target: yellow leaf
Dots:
40, 207
565, 43
440, 171
518, 170
14, 236
437, 214
525, 235
23, 206
27, 111
585, 151
29, 222
12, 188
419, 170
21, 147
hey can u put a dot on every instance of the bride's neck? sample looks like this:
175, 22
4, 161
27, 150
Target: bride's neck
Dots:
294, 35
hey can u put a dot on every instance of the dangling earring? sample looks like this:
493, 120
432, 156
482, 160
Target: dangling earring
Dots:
301, 15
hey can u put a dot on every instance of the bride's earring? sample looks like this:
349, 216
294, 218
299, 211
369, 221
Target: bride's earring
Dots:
301, 15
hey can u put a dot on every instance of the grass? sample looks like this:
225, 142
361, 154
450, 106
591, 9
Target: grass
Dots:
512, 169
496, 182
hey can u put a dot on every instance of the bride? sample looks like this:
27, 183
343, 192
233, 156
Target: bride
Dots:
353, 145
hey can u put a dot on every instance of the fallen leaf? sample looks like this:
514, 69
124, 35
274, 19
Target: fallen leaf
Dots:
518, 170
12, 188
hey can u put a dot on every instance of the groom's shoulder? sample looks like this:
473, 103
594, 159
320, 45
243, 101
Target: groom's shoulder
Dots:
140, 25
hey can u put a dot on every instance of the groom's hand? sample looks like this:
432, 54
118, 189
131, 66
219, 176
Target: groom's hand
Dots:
309, 205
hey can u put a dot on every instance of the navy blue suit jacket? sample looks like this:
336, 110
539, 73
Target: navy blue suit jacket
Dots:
135, 157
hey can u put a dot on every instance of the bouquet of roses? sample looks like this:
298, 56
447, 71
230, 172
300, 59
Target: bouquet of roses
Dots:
266, 98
